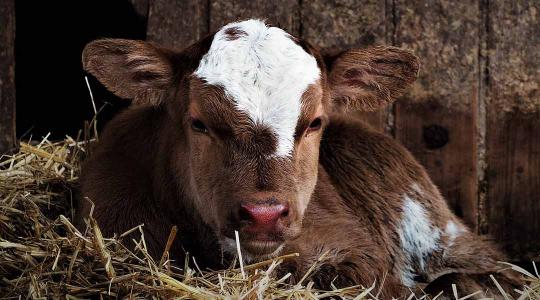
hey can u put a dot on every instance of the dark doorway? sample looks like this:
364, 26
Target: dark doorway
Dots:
52, 95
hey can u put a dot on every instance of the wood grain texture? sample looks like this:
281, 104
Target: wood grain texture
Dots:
437, 120
343, 24
281, 13
177, 24
513, 126
7, 76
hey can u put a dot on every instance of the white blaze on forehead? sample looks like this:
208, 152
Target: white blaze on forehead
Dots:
264, 72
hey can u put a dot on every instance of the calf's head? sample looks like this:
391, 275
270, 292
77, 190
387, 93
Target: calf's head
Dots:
248, 105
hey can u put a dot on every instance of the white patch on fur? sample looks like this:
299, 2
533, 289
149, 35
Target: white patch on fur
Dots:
416, 187
265, 73
229, 246
452, 230
418, 239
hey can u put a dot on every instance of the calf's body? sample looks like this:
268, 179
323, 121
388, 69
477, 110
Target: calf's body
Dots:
357, 212
264, 151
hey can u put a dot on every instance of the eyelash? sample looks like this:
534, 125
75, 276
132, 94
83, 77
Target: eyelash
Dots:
315, 125
198, 126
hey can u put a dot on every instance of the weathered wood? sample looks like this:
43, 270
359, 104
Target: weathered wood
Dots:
140, 7
437, 120
177, 24
513, 125
7, 76
342, 24
282, 13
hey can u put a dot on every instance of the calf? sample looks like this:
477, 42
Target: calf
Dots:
242, 131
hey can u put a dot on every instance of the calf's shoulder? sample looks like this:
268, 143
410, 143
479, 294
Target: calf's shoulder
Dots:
118, 176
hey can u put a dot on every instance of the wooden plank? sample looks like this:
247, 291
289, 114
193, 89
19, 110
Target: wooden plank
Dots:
344, 24
339, 25
282, 13
7, 76
513, 126
177, 24
437, 120
140, 7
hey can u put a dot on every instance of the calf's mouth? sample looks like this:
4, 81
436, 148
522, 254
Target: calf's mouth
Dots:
253, 250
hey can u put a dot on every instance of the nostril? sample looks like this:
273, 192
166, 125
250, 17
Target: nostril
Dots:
244, 214
285, 211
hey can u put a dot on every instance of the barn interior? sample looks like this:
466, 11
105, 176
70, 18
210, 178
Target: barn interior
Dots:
52, 94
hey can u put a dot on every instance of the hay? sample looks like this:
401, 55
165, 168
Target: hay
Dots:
42, 255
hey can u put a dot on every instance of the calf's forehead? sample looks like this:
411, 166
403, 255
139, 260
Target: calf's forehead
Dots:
264, 73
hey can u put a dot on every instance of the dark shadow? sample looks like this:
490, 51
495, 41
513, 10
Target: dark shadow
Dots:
51, 90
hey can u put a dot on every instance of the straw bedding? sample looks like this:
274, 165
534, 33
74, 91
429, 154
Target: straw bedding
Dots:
42, 255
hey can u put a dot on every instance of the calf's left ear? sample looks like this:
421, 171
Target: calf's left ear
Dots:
368, 79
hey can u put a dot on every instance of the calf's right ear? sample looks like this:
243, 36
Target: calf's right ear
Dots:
130, 69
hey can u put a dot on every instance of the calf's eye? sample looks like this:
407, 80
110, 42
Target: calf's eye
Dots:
315, 125
198, 126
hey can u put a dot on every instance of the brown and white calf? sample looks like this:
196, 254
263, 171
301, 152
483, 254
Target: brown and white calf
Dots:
243, 131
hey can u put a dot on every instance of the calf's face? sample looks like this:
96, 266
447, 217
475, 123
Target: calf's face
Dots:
251, 103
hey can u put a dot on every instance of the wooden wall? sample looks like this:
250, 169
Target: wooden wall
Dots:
7, 76
472, 119
511, 97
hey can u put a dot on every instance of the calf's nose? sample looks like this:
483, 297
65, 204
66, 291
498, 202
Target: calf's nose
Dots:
263, 217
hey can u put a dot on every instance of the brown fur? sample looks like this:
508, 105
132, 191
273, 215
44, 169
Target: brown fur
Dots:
345, 183
370, 78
